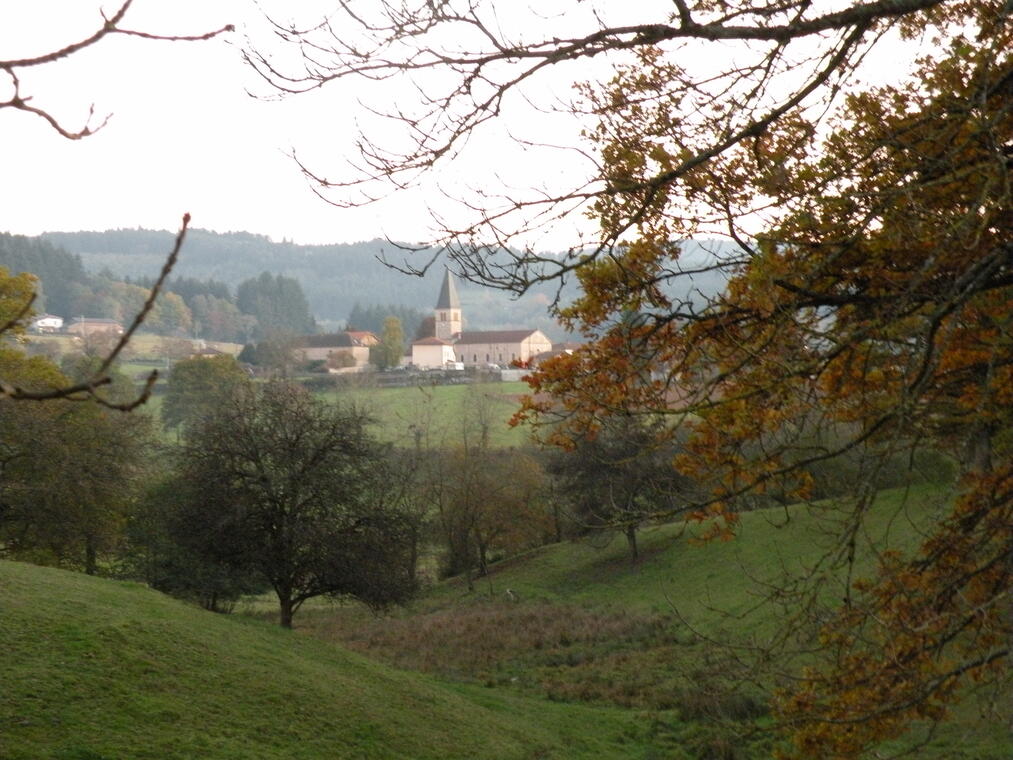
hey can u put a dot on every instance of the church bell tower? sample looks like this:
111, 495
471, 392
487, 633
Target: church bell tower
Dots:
448, 310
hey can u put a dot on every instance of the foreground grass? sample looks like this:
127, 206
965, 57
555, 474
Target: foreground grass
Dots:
94, 669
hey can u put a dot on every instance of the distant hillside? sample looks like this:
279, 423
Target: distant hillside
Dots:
95, 670
334, 277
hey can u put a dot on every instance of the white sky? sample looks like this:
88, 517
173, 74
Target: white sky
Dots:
184, 135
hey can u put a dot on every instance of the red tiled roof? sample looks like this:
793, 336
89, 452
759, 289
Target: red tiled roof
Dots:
362, 335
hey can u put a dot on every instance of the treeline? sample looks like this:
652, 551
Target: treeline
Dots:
262, 306
188, 306
86, 487
373, 318
334, 277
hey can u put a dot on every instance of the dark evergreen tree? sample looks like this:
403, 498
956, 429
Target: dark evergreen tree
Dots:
277, 302
58, 271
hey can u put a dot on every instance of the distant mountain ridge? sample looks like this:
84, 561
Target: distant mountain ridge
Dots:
334, 277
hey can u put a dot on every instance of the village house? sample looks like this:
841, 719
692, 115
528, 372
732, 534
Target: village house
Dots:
82, 327
206, 352
47, 323
432, 353
347, 350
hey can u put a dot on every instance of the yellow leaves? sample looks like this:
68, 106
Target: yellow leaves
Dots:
17, 293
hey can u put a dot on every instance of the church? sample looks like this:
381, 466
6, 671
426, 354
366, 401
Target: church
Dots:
452, 345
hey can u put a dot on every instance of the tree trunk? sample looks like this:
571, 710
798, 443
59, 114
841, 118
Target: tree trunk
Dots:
483, 562
286, 608
90, 556
413, 568
631, 539
978, 449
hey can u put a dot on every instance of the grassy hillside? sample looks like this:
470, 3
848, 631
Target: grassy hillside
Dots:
586, 625
94, 669
445, 413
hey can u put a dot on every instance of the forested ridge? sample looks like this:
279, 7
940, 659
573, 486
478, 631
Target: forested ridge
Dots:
334, 277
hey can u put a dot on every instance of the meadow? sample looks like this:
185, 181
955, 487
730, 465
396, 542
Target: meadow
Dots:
682, 634
443, 415
566, 651
101, 670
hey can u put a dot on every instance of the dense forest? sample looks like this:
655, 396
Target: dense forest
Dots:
335, 277
262, 305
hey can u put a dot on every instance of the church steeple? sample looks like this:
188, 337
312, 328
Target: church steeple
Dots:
448, 309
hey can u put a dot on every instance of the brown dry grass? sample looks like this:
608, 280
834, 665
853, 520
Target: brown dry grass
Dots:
566, 652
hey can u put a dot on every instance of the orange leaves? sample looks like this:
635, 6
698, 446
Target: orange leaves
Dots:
914, 633
868, 311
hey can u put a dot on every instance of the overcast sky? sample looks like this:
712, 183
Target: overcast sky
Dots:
183, 135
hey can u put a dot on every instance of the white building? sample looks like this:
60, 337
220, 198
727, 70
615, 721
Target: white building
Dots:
47, 323
500, 347
432, 353
472, 348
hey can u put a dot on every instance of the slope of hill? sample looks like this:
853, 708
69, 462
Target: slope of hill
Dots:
674, 632
94, 669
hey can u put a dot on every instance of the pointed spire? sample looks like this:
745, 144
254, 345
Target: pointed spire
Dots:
448, 293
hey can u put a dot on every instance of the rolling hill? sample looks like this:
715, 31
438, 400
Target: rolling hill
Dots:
99, 670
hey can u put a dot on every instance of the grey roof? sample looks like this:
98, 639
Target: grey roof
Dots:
493, 336
448, 294
338, 340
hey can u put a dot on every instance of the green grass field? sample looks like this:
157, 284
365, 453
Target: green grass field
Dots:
98, 670
444, 414
589, 656
587, 626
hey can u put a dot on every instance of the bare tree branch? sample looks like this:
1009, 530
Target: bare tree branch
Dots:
87, 390
110, 26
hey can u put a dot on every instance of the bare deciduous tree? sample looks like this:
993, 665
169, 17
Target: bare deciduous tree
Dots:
466, 66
